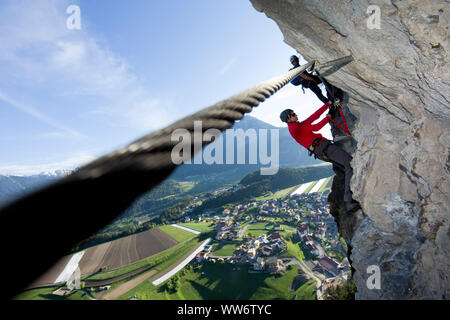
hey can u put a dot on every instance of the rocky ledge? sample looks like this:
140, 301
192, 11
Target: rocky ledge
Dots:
398, 104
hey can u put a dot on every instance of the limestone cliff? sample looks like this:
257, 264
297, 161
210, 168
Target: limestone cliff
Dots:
398, 102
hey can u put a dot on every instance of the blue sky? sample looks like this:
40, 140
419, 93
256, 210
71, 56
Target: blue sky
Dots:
69, 96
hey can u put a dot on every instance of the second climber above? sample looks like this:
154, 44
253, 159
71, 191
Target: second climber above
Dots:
307, 80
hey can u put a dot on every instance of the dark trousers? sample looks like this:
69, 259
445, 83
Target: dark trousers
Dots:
336, 92
339, 157
315, 88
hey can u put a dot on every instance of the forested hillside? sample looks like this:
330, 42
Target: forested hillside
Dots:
255, 184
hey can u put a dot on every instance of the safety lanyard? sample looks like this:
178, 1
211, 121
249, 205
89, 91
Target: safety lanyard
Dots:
344, 128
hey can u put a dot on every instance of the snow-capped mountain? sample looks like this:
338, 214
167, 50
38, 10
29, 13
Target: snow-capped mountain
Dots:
56, 173
14, 186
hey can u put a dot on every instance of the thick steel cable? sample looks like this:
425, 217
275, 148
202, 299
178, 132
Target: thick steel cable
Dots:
40, 228
333, 63
331, 66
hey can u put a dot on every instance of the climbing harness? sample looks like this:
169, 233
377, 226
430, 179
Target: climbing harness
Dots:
97, 193
313, 147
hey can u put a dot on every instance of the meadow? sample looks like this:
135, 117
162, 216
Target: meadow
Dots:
217, 281
200, 227
178, 234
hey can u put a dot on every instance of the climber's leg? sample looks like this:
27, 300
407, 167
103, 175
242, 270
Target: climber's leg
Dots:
339, 156
318, 92
337, 93
337, 167
341, 161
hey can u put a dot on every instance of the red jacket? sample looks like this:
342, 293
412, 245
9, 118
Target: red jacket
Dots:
303, 133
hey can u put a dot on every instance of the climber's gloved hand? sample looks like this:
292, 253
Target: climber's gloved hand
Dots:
337, 103
332, 111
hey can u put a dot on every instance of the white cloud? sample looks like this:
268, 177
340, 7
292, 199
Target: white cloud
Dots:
37, 47
69, 54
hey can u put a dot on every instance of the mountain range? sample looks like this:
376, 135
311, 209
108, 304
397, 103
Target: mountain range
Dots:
291, 155
13, 187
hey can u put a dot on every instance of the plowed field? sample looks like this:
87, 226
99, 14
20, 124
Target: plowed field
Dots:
114, 254
124, 251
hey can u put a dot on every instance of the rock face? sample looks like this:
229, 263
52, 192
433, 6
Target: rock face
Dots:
398, 94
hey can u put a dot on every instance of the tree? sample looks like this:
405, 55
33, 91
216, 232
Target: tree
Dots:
172, 285
343, 244
345, 291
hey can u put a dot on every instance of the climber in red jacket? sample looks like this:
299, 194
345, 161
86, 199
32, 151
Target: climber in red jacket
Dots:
322, 148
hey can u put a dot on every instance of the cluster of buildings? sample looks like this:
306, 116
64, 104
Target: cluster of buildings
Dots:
328, 267
228, 230
322, 263
204, 254
240, 208
261, 253
269, 207
305, 236
308, 212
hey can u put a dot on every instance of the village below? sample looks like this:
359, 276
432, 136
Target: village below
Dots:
279, 245
293, 230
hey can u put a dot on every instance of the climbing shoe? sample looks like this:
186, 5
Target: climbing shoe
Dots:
337, 138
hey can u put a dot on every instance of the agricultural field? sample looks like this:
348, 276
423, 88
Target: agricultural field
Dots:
277, 195
223, 281
200, 227
127, 250
308, 186
326, 185
46, 294
160, 261
307, 190
158, 264
52, 274
116, 254
176, 233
